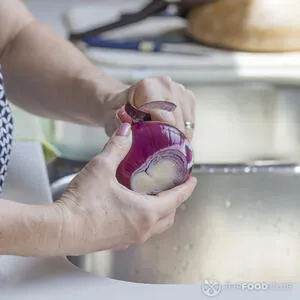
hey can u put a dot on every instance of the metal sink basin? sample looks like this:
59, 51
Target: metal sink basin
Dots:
241, 224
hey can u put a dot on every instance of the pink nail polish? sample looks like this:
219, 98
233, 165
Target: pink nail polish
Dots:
122, 115
123, 129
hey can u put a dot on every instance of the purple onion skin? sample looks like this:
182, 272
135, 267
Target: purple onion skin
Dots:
153, 139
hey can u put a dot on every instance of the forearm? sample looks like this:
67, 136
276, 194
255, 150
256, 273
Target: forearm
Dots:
29, 230
48, 76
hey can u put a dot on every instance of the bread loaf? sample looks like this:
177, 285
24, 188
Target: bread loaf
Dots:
247, 25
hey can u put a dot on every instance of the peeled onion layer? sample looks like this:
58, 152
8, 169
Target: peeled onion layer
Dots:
160, 158
138, 115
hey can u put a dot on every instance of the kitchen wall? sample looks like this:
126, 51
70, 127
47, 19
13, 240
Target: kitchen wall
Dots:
50, 12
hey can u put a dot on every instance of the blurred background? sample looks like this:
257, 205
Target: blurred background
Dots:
240, 58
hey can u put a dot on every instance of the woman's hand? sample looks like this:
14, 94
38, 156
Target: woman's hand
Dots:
98, 213
154, 89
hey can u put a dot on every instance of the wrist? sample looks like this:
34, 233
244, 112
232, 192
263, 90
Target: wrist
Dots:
29, 230
73, 238
113, 98
44, 223
100, 96
67, 229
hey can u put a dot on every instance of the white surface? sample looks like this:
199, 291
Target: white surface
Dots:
50, 12
27, 180
213, 59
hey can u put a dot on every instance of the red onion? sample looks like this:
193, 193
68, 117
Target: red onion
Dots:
160, 157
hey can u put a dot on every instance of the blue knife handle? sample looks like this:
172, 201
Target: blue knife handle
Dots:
143, 46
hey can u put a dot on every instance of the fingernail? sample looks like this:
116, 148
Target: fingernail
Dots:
124, 129
122, 115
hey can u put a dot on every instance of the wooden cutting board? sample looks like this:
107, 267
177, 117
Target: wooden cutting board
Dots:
248, 25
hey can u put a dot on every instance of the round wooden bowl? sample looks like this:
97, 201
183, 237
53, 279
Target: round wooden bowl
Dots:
247, 25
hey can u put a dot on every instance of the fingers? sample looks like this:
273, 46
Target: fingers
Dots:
115, 119
117, 147
167, 201
153, 89
162, 116
123, 116
157, 213
163, 88
157, 89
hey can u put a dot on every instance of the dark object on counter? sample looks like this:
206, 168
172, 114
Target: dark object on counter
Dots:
155, 7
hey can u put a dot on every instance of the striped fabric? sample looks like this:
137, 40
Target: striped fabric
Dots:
6, 133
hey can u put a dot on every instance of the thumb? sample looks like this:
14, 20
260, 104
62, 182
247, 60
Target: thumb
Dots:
118, 146
115, 119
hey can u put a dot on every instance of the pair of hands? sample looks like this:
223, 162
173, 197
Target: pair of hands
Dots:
97, 212
153, 89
